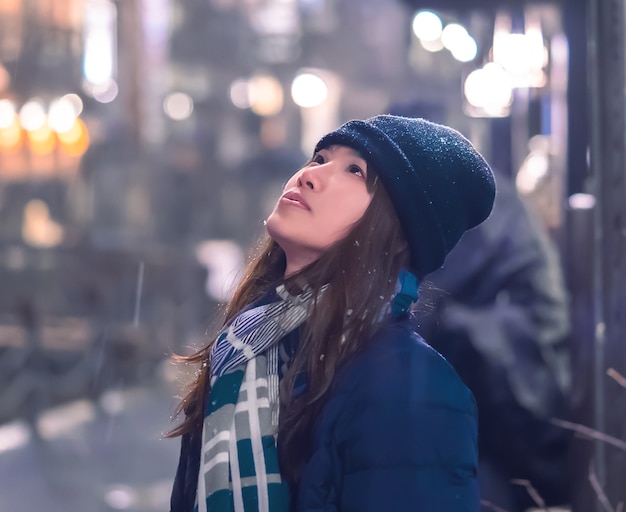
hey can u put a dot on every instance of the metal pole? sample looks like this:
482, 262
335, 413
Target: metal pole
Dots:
608, 166
596, 161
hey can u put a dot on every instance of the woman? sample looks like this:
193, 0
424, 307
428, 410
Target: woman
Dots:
318, 394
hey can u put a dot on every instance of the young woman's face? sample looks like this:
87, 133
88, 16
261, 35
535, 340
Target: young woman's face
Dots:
319, 205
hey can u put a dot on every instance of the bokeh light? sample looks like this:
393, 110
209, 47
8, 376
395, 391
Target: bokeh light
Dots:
239, 94
432, 46
523, 55
75, 141
99, 47
98, 65
14, 435
531, 173
41, 140
427, 26
308, 90
38, 229
511, 53
121, 497
490, 89
103, 93
11, 136
7, 113
76, 101
63, 112
462, 46
266, 95
32, 115
178, 106
467, 51
453, 36
581, 201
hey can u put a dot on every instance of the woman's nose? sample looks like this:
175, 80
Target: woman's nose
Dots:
308, 178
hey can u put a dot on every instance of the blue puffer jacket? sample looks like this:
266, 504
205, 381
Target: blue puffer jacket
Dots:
398, 433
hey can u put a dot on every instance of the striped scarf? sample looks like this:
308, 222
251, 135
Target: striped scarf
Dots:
239, 460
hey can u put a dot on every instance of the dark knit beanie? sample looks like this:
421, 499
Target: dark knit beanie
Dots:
438, 183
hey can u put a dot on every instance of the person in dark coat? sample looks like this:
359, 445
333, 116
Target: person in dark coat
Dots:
502, 321
317, 394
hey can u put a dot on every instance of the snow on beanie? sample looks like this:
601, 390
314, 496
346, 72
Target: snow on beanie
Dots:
439, 184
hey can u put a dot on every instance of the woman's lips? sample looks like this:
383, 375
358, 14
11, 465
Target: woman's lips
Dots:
294, 198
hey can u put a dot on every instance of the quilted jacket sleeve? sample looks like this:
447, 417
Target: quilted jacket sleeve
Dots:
407, 439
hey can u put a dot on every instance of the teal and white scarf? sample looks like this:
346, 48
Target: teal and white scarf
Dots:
239, 461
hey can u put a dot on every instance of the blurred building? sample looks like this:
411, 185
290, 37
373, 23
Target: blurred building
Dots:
74, 211
135, 134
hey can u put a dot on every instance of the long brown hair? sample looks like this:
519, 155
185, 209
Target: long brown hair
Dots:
360, 272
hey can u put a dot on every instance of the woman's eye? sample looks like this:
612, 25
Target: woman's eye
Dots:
317, 158
355, 169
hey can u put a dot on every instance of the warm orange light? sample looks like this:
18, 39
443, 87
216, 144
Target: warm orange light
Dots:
75, 141
265, 95
10, 7
41, 140
38, 228
11, 136
73, 134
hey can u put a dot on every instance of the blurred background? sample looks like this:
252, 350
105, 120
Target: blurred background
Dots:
142, 142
